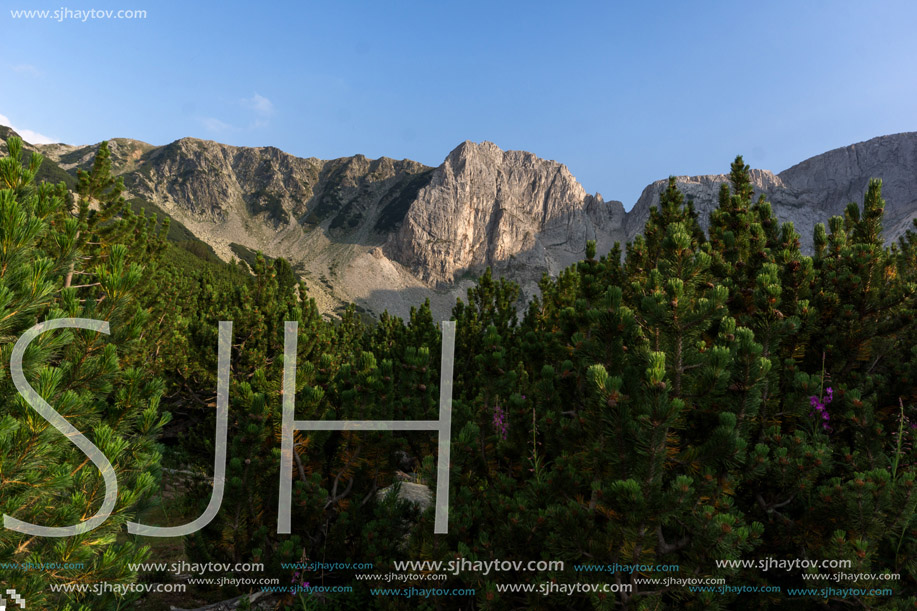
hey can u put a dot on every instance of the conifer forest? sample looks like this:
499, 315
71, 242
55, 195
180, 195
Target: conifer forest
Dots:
707, 398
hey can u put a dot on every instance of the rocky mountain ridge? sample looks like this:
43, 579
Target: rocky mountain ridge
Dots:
386, 234
485, 206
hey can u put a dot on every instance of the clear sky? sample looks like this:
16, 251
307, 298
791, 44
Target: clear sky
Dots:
622, 93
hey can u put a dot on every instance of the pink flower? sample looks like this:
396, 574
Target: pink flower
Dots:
819, 408
499, 421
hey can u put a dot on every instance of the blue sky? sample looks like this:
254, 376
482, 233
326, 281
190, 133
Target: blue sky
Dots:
622, 94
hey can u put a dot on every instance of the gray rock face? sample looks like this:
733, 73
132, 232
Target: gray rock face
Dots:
813, 191
823, 185
507, 209
419, 494
207, 181
323, 215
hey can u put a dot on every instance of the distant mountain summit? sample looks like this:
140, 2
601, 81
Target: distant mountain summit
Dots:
386, 234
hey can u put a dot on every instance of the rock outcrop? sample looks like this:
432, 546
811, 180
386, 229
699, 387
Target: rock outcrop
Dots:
818, 188
488, 207
418, 494
823, 185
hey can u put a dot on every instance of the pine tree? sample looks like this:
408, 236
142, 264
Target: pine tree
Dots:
100, 217
672, 209
670, 409
741, 237
672, 420
87, 377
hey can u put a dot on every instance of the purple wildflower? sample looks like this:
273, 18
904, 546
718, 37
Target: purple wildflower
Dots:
500, 423
819, 410
298, 584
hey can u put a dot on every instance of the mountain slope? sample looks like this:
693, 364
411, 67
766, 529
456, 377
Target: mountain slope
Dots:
387, 234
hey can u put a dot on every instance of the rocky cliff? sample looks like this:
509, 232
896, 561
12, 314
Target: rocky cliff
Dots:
822, 186
506, 209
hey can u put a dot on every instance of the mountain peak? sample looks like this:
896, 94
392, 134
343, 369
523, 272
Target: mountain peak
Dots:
485, 206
